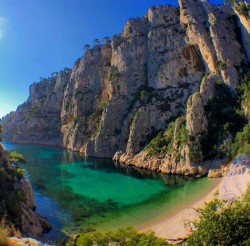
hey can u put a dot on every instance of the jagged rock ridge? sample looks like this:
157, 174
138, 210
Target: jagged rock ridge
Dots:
119, 96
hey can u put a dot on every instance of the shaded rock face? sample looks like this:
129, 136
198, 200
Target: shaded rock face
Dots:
17, 200
120, 95
38, 119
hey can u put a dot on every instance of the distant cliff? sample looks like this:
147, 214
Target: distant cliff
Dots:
38, 119
149, 97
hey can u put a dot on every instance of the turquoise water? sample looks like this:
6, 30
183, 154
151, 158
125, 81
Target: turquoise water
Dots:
75, 193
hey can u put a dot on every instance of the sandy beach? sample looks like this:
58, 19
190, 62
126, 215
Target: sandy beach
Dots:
176, 226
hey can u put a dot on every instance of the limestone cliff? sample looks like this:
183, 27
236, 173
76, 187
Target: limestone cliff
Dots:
16, 200
121, 95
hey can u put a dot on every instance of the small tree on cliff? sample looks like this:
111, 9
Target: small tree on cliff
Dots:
54, 74
96, 42
240, 5
106, 41
86, 47
67, 70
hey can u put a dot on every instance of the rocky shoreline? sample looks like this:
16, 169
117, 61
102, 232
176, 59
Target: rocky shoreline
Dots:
17, 201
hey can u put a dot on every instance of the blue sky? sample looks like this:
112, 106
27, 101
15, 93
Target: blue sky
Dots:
38, 37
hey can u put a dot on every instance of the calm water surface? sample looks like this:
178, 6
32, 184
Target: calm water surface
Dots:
75, 193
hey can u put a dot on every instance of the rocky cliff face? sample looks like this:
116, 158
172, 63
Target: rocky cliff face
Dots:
121, 95
16, 200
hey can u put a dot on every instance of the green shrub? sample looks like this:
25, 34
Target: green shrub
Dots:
104, 104
195, 155
67, 104
114, 74
162, 143
241, 144
16, 157
221, 65
158, 145
183, 134
144, 95
121, 237
20, 171
20, 196
224, 117
34, 111
223, 223
244, 91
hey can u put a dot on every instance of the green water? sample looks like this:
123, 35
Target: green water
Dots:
75, 193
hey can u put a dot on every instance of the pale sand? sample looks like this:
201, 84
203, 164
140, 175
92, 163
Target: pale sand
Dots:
175, 226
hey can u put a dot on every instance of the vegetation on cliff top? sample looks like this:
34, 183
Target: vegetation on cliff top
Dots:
16, 157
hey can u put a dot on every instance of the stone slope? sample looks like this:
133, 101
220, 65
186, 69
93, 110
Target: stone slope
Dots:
120, 95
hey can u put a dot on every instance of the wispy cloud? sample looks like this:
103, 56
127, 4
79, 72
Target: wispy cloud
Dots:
3, 22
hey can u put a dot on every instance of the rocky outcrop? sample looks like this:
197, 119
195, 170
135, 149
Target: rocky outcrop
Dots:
207, 86
121, 94
17, 202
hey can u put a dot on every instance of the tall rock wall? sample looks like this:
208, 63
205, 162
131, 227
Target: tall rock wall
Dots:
120, 95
